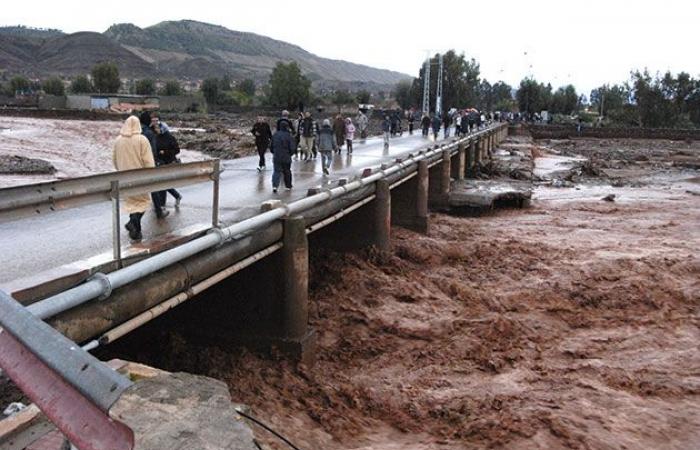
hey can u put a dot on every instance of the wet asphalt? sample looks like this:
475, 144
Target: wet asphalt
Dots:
83, 236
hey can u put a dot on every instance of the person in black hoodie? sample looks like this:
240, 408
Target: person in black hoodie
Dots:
283, 148
168, 149
158, 198
263, 136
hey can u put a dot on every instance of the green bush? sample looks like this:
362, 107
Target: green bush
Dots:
54, 86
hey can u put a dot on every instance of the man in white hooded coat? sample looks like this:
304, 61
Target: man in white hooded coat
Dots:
133, 151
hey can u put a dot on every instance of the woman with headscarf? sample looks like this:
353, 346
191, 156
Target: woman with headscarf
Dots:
133, 151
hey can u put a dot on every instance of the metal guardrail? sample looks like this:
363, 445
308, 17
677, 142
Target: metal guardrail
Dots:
45, 198
73, 388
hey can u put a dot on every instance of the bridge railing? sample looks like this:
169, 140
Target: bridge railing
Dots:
45, 198
72, 388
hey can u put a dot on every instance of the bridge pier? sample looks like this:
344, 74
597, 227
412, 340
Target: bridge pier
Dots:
439, 182
297, 340
458, 164
409, 207
471, 156
477, 156
382, 216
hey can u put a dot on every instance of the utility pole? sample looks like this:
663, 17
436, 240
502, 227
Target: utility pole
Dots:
438, 96
426, 86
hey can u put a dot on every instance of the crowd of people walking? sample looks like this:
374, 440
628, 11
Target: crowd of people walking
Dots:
146, 142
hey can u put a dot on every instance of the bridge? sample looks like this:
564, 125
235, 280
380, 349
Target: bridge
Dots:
94, 290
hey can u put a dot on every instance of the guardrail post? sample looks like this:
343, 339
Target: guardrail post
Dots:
116, 224
215, 199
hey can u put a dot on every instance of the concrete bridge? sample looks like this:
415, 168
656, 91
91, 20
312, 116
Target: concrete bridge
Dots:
260, 251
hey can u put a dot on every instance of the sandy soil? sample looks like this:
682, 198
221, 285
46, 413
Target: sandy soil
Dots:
74, 147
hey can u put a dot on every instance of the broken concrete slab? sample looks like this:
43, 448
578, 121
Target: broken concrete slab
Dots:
486, 194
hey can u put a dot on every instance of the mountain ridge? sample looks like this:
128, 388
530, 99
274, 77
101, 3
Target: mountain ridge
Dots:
184, 49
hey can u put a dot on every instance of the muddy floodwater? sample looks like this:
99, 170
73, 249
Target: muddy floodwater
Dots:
74, 148
570, 324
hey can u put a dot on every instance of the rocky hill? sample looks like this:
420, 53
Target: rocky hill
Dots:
174, 49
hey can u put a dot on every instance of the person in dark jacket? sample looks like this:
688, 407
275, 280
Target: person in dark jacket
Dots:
425, 125
326, 145
158, 198
168, 149
436, 125
339, 131
285, 119
308, 131
411, 121
282, 150
263, 135
447, 122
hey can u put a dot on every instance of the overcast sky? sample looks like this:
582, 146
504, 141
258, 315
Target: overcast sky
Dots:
585, 43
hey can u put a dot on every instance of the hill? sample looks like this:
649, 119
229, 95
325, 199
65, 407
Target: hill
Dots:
175, 49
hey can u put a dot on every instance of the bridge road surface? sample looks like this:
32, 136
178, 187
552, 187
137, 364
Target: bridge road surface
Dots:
82, 237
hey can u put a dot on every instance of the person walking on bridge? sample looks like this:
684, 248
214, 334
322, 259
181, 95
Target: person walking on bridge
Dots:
168, 149
157, 197
339, 131
308, 131
282, 150
263, 135
327, 144
436, 125
362, 124
133, 151
425, 125
447, 122
386, 129
349, 134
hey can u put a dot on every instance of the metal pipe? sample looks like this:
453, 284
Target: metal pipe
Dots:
102, 285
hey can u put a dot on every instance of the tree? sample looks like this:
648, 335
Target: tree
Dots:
225, 83
533, 96
53, 86
342, 97
247, 87
606, 98
460, 87
210, 89
145, 87
81, 85
363, 97
402, 94
565, 100
502, 95
105, 78
288, 87
19, 85
172, 87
